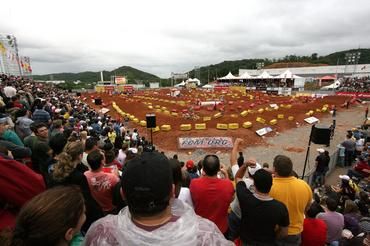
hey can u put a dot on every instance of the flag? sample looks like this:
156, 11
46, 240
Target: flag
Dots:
363, 68
2, 48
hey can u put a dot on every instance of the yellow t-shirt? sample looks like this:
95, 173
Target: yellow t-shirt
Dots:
295, 194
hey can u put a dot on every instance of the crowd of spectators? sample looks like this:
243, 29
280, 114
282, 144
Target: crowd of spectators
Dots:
355, 84
71, 175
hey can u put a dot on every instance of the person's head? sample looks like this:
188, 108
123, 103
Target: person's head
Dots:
314, 209
109, 156
147, 184
176, 175
95, 159
124, 146
68, 160
266, 165
21, 112
262, 181
189, 165
50, 218
283, 166
41, 130
57, 143
211, 165
91, 144
331, 204
350, 207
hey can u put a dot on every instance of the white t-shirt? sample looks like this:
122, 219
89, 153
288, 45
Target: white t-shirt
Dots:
185, 196
121, 156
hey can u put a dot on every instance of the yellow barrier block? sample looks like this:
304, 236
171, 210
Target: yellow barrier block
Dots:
132, 117
250, 111
158, 110
310, 113
166, 128
123, 114
282, 105
260, 120
280, 116
325, 106
207, 118
164, 108
244, 113
157, 129
288, 106
324, 109
166, 112
200, 126
135, 120
247, 124
218, 115
273, 122
318, 110
290, 118
221, 126
233, 126
157, 106
174, 114
142, 123
260, 110
234, 116
150, 107
185, 127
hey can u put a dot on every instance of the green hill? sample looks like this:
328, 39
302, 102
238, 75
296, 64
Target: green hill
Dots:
133, 75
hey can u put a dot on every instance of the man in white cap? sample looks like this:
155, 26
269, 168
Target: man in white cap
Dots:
322, 166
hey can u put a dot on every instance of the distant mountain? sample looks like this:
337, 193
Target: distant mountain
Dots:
211, 72
132, 74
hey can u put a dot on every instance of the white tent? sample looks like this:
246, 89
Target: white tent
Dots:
245, 75
182, 84
207, 86
287, 75
335, 85
229, 76
264, 75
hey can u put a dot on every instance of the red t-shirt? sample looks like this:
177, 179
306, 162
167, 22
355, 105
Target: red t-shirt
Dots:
101, 186
211, 198
314, 232
361, 166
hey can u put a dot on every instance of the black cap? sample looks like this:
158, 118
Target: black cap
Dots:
147, 183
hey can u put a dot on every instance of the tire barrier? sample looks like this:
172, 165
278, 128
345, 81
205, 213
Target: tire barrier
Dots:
135, 120
142, 123
200, 126
290, 118
260, 120
185, 127
260, 110
157, 129
280, 116
247, 124
174, 114
165, 128
244, 113
150, 107
221, 126
273, 122
233, 126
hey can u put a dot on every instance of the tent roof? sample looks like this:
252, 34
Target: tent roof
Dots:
245, 75
287, 75
229, 76
264, 75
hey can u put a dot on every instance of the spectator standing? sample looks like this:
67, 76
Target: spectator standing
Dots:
212, 196
314, 230
191, 169
40, 115
352, 217
7, 134
91, 144
296, 194
263, 218
153, 216
101, 183
23, 123
54, 217
334, 221
40, 134
349, 150
322, 166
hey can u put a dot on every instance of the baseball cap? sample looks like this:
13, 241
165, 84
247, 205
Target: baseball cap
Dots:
189, 164
320, 150
345, 177
147, 183
253, 170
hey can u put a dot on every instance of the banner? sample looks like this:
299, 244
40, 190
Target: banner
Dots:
205, 142
120, 80
354, 94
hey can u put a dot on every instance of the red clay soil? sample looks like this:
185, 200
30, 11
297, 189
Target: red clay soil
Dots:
137, 105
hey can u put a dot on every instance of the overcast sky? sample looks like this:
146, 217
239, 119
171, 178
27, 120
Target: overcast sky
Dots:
161, 37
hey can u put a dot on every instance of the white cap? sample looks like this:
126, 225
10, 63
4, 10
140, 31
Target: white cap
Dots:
253, 170
345, 177
133, 150
320, 150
